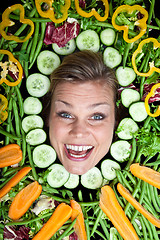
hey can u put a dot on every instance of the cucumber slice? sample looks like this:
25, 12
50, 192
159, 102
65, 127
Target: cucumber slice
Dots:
67, 49
32, 122
129, 96
107, 36
127, 128
72, 182
44, 155
88, 40
138, 111
37, 84
125, 76
32, 105
36, 136
112, 58
47, 62
120, 150
58, 176
92, 179
108, 169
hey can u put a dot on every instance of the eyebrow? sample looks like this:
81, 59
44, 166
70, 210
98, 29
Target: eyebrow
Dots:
90, 106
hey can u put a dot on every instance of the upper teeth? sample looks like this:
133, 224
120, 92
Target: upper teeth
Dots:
78, 148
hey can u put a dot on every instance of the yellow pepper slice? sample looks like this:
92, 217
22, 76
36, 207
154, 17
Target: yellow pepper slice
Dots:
141, 23
93, 11
49, 13
17, 63
151, 94
3, 107
6, 22
156, 44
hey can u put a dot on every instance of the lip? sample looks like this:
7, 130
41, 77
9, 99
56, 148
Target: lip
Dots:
72, 158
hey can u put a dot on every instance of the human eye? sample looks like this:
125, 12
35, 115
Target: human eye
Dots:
64, 115
98, 116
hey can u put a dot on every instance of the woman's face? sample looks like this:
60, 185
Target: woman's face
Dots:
81, 124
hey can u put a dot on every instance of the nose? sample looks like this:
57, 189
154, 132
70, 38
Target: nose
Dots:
79, 129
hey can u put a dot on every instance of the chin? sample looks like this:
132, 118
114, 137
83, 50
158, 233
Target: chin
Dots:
78, 170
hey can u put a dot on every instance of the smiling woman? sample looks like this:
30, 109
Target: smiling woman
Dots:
82, 110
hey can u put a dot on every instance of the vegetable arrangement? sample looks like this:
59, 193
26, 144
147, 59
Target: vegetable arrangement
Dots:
39, 199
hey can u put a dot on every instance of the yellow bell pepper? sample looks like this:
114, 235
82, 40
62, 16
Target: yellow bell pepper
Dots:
49, 13
93, 11
17, 64
156, 44
3, 107
6, 22
151, 94
140, 23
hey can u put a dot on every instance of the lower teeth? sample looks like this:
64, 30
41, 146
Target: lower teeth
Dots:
78, 156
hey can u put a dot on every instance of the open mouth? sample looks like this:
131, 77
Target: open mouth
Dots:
78, 152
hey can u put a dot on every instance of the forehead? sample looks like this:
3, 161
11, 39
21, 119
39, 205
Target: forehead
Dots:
86, 90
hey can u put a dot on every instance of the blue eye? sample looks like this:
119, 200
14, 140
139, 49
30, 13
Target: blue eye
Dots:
64, 115
98, 117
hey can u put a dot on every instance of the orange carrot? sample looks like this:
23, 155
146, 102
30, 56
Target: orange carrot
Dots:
10, 154
24, 199
146, 174
79, 226
14, 180
61, 214
113, 210
127, 195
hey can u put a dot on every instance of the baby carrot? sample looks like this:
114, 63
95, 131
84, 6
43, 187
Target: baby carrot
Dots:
14, 180
126, 194
146, 174
61, 214
10, 154
79, 226
24, 199
113, 210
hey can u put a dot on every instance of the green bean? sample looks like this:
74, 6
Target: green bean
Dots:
5, 133
101, 235
133, 153
104, 227
151, 11
39, 46
148, 192
96, 222
146, 222
25, 222
24, 148
35, 40
9, 120
125, 182
155, 192
140, 200
143, 229
155, 235
131, 177
87, 229
80, 197
58, 199
26, 62
17, 120
89, 203
153, 198
20, 101
125, 55
11, 171
7, 180
158, 22
65, 233
134, 193
31, 162
119, 199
